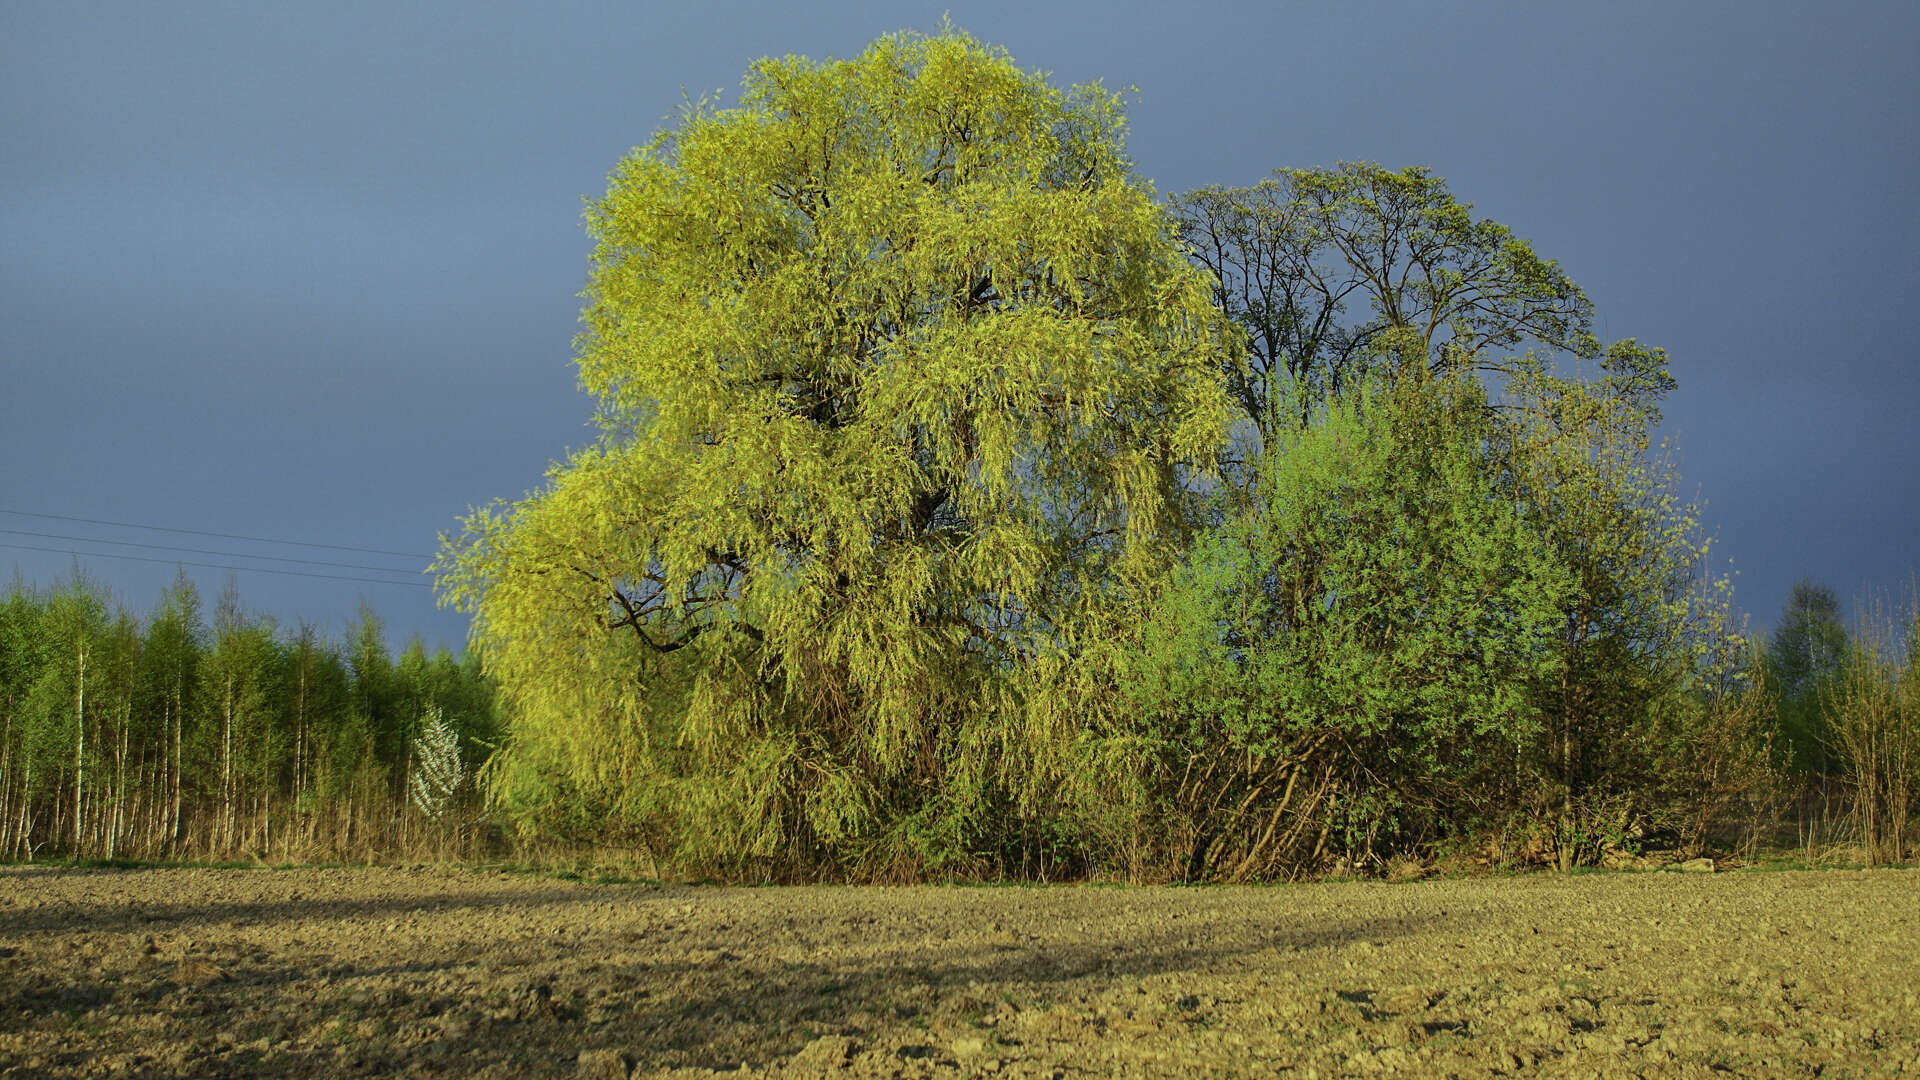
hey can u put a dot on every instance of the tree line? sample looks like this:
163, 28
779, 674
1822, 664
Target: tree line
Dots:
962, 508
202, 735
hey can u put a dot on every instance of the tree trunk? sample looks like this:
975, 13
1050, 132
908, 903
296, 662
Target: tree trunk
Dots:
26, 813
79, 740
120, 780
226, 765
173, 813
6, 783
300, 731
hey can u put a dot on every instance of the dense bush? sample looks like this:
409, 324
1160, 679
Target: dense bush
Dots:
1344, 664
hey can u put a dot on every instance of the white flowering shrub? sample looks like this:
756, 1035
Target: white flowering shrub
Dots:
437, 771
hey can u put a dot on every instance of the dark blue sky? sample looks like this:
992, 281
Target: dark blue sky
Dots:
311, 271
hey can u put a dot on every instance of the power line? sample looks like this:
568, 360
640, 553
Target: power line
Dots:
223, 536
215, 566
205, 551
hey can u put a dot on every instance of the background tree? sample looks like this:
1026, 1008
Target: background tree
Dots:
75, 621
1871, 722
1806, 653
329, 741
22, 659
1336, 273
1643, 617
304, 695
119, 670
372, 751
897, 364
1714, 777
170, 691
241, 685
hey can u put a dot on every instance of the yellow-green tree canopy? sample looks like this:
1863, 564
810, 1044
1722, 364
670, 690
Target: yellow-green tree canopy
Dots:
898, 366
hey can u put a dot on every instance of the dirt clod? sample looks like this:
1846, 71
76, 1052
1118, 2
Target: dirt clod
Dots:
604, 1065
825, 1052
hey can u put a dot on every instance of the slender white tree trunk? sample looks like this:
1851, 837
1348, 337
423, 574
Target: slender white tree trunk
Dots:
226, 764
300, 733
6, 783
173, 813
25, 832
79, 740
120, 780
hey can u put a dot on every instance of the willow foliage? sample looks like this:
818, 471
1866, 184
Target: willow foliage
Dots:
897, 367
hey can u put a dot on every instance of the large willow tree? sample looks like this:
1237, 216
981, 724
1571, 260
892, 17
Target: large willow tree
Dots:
898, 367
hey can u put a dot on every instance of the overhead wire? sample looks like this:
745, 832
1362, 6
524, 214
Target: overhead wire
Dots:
217, 566
207, 551
221, 535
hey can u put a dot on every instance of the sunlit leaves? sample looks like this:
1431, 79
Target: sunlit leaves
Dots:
896, 363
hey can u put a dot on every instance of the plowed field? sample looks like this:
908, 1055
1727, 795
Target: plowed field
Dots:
451, 972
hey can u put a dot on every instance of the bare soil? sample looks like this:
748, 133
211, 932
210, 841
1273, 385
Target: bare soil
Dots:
455, 972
